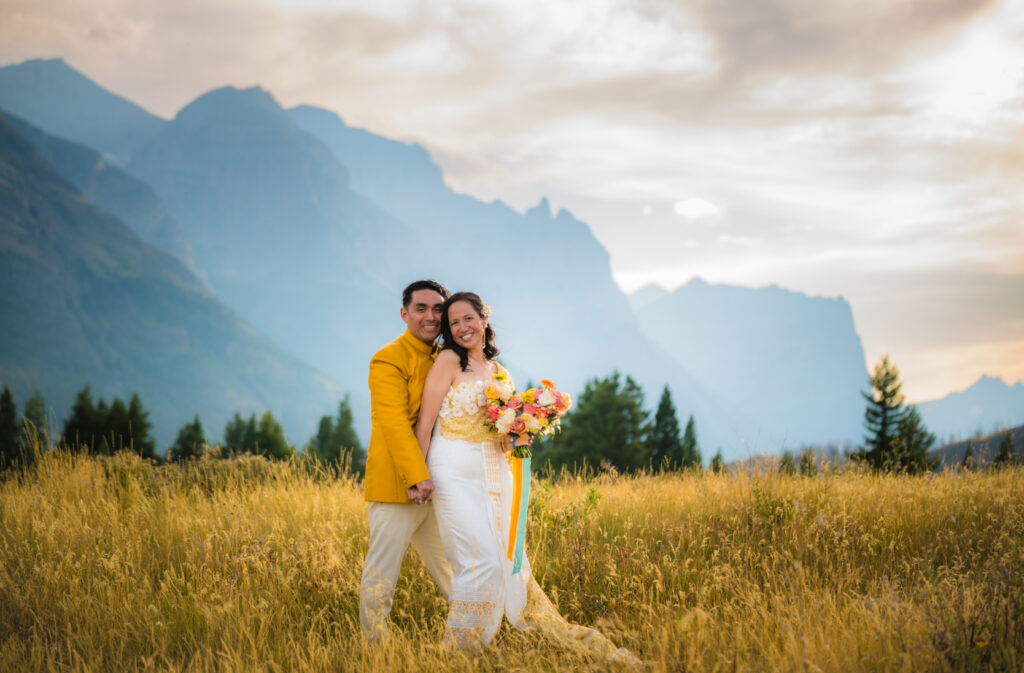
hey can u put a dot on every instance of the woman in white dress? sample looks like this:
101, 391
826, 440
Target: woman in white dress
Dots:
473, 493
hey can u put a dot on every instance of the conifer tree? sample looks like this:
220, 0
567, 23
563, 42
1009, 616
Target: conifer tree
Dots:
34, 427
691, 451
236, 438
336, 442
1005, 454
97, 442
717, 463
270, 439
910, 450
808, 464
968, 462
190, 441
320, 445
9, 447
141, 440
117, 433
882, 416
607, 423
787, 465
663, 440
85, 424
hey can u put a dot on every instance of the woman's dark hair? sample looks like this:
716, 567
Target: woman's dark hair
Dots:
426, 284
490, 350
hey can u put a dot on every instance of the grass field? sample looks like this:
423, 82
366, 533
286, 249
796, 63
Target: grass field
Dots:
244, 565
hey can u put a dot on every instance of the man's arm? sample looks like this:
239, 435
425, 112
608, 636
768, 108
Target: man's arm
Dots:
389, 405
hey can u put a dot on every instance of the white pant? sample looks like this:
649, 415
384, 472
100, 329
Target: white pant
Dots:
473, 500
392, 527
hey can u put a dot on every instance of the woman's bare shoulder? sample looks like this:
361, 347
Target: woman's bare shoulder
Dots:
446, 359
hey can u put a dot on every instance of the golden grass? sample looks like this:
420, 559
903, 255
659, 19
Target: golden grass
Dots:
244, 565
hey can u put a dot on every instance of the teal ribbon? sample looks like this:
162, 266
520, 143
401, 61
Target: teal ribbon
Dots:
524, 501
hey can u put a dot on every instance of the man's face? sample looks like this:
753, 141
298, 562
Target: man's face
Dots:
423, 315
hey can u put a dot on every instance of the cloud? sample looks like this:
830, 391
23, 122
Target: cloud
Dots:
695, 208
861, 145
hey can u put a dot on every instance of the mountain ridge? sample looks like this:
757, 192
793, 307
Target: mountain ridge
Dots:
86, 301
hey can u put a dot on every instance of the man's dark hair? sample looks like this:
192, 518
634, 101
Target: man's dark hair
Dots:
423, 285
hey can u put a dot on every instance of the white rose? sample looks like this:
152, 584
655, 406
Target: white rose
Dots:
546, 399
504, 420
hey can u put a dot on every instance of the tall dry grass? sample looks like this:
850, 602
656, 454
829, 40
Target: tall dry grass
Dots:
244, 565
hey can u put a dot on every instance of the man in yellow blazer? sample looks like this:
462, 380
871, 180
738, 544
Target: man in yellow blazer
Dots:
397, 484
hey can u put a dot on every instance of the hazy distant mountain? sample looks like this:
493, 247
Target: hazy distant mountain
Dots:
111, 189
64, 103
282, 238
558, 311
988, 405
646, 295
85, 300
791, 362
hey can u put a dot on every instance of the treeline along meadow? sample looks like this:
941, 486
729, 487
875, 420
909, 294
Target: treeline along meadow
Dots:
607, 428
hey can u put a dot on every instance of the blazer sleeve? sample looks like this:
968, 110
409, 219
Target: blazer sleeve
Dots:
389, 407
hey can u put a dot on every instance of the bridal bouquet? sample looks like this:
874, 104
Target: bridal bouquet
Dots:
524, 415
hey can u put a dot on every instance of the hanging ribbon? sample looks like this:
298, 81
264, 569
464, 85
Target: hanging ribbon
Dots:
520, 504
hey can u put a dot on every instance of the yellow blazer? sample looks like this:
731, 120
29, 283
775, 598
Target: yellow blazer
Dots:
393, 459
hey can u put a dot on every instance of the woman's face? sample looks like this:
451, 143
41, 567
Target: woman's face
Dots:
466, 324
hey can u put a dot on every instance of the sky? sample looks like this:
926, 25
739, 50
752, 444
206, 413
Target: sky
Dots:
869, 149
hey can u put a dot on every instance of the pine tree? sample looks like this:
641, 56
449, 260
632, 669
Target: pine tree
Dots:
336, 442
607, 423
968, 463
190, 441
1005, 454
808, 464
319, 446
35, 430
910, 450
717, 463
236, 439
85, 425
141, 441
787, 465
98, 442
117, 433
270, 440
10, 451
351, 451
663, 440
691, 451
882, 416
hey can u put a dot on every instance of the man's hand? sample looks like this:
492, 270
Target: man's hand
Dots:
421, 492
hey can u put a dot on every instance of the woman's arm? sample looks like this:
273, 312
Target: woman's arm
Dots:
439, 379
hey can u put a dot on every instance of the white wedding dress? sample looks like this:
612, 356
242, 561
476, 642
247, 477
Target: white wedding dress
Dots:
473, 501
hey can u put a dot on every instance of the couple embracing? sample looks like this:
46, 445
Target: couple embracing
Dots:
437, 476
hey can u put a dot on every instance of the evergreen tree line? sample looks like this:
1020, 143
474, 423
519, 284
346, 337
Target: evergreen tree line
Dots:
608, 427
99, 428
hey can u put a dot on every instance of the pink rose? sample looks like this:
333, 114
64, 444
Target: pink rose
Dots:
514, 403
517, 427
492, 412
530, 409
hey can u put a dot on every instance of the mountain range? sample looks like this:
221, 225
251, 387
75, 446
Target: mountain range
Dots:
792, 363
86, 301
306, 230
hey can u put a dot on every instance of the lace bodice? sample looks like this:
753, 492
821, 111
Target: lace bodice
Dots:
464, 410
